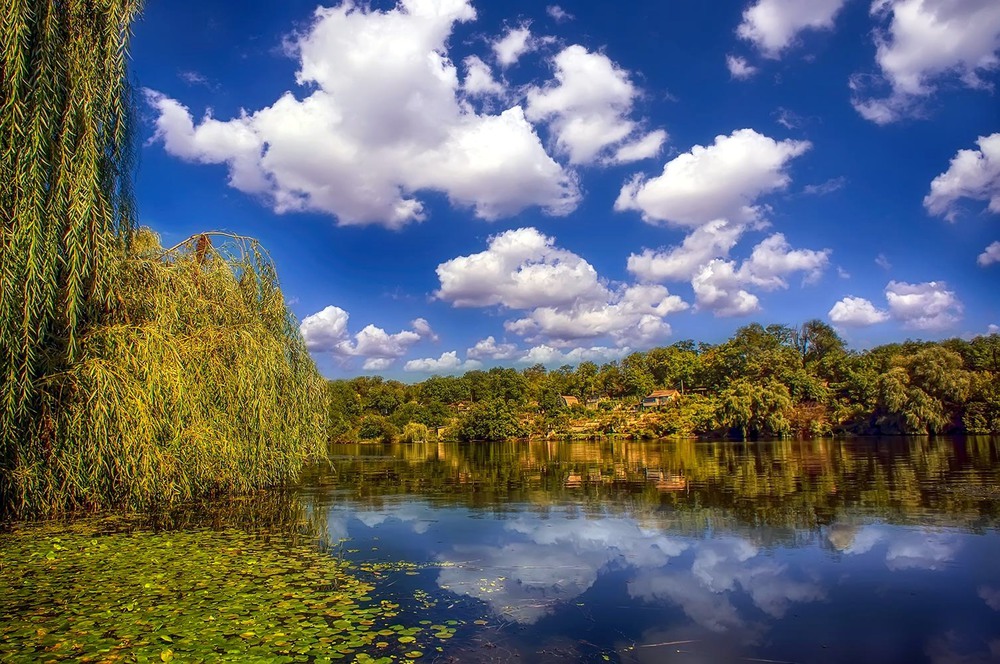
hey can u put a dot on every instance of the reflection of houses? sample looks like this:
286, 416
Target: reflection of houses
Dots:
568, 402
658, 398
666, 481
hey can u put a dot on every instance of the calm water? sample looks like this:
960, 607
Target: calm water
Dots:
825, 551
821, 551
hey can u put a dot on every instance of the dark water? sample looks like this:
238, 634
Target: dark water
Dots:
822, 551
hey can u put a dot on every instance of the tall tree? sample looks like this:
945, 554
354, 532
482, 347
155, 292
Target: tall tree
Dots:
65, 203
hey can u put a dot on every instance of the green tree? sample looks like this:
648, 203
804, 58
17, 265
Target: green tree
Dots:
495, 419
65, 190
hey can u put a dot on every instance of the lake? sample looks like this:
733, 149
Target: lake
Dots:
878, 550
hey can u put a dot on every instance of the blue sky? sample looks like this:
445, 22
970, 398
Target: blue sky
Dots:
449, 184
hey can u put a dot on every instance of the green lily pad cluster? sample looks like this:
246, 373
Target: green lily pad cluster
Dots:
78, 594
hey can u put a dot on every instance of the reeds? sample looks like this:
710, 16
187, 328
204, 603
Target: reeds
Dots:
196, 383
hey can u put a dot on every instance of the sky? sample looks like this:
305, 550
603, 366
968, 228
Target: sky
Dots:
447, 185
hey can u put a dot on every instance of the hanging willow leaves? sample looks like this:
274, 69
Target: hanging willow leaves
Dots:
129, 375
65, 203
196, 383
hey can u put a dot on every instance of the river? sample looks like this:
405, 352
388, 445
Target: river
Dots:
872, 550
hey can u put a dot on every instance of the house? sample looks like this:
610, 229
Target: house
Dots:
568, 402
658, 398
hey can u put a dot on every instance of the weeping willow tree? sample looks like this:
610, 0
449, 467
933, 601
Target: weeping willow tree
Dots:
127, 374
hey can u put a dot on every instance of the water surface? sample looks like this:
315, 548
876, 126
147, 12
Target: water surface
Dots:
674, 551
820, 551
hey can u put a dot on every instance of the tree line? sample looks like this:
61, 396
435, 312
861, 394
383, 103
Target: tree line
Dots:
774, 381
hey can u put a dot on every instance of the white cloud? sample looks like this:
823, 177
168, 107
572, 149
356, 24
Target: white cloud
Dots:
972, 174
772, 25
774, 258
739, 68
641, 148
721, 181
326, 332
520, 269
479, 81
423, 328
558, 14
587, 107
553, 357
513, 45
719, 286
489, 349
680, 263
883, 262
992, 329
566, 299
447, 363
856, 311
925, 41
384, 119
632, 315
926, 306
990, 256
324, 329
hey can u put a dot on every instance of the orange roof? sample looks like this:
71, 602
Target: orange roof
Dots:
663, 393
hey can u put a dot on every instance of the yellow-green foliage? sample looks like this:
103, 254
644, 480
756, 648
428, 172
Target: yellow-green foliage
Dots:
65, 174
196, 382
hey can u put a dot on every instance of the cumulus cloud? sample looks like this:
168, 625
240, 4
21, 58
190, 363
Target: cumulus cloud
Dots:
720, 181
588, 107
856, 312
509, 48
326, 332
479, 81
554, 357
774, 258
520, 269
920, 42
632, 315
489, 349
447, 363
720, 287
680, 263
772, 25
973, 174
385, 118
739, 68
563, 294
926, 306
990, 256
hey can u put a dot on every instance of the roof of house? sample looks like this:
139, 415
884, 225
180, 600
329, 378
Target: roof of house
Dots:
663, 393
569, 400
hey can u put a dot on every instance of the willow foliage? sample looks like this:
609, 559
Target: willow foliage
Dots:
65, 204
197, 382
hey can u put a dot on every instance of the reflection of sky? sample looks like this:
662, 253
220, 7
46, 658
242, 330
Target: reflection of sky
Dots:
865, 591
917, 548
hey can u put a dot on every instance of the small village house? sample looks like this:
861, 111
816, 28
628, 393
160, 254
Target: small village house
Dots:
568, 401
659, 398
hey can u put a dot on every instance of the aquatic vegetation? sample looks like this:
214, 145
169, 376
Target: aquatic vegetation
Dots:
84, 594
